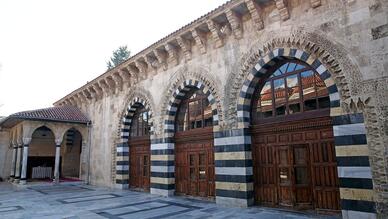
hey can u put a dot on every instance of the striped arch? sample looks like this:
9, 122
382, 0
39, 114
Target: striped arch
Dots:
179, 95
162, 149
122, 148
354, 171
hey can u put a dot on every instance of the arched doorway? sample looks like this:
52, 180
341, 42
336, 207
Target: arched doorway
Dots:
139, 150
292, 140
41, 155
194, 151
71, 155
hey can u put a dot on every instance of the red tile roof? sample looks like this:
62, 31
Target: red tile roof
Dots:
58, 114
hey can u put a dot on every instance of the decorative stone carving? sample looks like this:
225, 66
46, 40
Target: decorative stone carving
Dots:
118, 81
315, 3
235, 23
254, 10
125, 76
111, 83
200, 40
103, 85
216, 33
161, 55
142, 66
186, 47
172, 54
134, 73
283, 10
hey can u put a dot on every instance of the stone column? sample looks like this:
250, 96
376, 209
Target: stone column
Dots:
18, 161
23, 177
58, 143
13, 164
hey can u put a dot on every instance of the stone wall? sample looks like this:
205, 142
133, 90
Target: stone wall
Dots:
5, 155
71, 151
350, 37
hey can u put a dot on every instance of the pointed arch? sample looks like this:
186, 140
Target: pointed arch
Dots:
349, 128
182, 82
139, 97
162, 145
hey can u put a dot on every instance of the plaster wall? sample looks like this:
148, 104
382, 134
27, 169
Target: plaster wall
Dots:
42, 144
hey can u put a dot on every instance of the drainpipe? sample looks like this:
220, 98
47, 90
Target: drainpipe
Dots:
89, 125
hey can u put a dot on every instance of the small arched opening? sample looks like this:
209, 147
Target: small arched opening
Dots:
41, 155
70, 160
139, 150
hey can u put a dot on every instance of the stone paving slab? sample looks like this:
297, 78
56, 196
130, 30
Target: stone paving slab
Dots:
82, 201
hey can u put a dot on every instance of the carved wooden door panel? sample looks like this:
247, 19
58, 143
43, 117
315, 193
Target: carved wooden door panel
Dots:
301, 176
181, 173
294, 165
139, 156
265, 173
193, 174
195, 168
285, 185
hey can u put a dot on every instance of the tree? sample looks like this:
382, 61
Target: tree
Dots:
119, 56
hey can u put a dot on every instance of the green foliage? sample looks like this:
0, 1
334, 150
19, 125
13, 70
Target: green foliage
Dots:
119, 56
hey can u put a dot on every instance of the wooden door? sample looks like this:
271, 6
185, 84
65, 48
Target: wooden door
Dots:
285, 185
265, 173
193, 174
300, 172
295, 165
194, 166
139, 177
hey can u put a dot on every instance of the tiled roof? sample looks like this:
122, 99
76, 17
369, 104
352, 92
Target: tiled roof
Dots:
60, 113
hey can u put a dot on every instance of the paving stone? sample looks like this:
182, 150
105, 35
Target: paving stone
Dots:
80, 201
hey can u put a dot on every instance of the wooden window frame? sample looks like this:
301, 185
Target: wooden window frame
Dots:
139, 126
201, 99
288, 117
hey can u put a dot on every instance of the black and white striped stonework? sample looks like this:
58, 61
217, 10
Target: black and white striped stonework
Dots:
162, 150
179, 95
162, 167
354, 172
233, 168
122, 148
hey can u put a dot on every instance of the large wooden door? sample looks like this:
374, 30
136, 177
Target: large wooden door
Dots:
194, 164
295, 166
139, 177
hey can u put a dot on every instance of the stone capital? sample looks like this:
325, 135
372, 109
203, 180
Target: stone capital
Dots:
58, 141
27, 141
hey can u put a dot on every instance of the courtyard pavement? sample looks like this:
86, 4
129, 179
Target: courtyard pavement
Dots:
82, 201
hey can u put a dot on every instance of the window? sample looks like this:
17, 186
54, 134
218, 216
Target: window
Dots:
139, 126
194, 112
292, 88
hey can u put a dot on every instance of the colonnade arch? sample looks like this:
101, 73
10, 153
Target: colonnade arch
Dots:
39, 144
